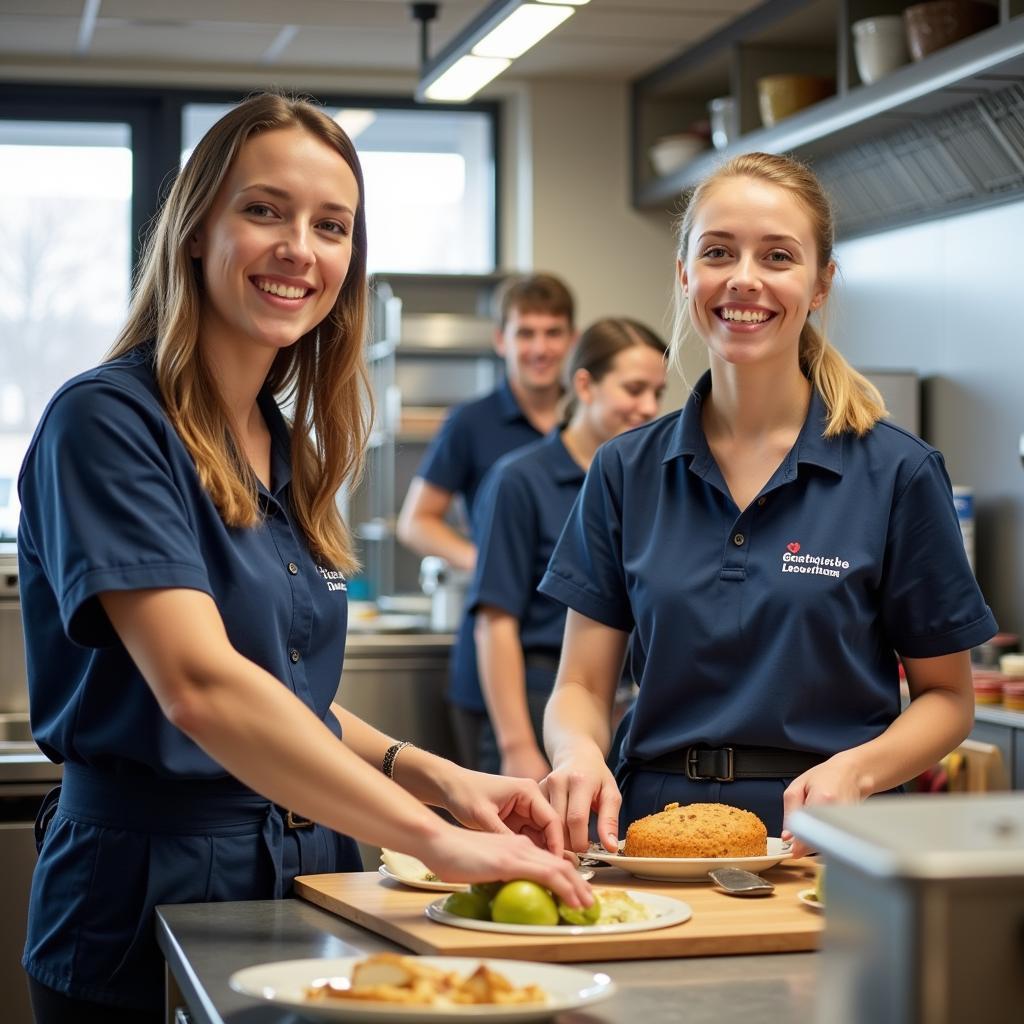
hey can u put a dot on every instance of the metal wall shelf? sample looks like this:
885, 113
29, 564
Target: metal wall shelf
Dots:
952, 123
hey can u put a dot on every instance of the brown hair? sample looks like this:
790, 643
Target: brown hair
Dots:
323, 373
853, 402
538, 293
598, 346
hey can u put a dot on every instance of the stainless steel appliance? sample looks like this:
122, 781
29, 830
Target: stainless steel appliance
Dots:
924, 902
25, 778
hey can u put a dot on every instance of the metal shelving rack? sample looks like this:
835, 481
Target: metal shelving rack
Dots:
430, 348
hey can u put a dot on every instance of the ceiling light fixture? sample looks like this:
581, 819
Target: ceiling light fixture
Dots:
503, 31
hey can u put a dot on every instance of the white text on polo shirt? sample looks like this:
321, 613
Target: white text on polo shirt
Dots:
334, 579
815, 565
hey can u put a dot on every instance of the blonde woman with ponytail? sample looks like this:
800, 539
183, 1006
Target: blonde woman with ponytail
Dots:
183, 568
777, 549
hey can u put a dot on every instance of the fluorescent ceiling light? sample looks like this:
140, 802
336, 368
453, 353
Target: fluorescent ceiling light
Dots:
501, 32
521, 29
355, 121
466, 77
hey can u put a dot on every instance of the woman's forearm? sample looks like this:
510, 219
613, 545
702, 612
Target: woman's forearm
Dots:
934, 723
576, 715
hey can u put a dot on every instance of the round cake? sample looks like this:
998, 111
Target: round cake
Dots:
697, 830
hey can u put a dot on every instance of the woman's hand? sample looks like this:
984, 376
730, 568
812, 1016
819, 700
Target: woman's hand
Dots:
578, 785
457, 855
839, 780
497, 803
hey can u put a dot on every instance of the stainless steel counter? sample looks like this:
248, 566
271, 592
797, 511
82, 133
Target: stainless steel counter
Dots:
205, 942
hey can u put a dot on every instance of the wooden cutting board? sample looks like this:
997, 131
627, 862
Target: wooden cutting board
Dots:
720, 924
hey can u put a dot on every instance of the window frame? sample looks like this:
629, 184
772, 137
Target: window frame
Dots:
154, 116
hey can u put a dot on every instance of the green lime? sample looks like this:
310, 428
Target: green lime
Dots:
524, 903
468, 904
580, 915
488, 889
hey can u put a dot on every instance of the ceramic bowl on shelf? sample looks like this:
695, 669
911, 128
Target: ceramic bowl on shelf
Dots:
778, 96
879, 46
933, 25
671, 152
722, 114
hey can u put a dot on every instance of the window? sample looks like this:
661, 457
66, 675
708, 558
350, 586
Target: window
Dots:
65, 266
429, 178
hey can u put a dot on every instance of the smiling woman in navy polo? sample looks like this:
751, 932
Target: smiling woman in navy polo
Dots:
617, 374
182, 565
773, 548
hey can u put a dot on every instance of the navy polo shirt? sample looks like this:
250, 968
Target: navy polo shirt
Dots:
777, 625
111, 500
522, 507
474, 436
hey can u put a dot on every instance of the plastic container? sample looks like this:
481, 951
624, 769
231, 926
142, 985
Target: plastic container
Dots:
988, 690
1013, 695
879, 46
722, 113
1012, 666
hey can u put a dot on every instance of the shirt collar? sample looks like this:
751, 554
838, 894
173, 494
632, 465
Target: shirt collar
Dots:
508, 408
280, 443
564, 468
811, 445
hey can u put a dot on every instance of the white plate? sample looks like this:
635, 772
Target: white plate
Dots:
421, 883
807, 898
284, 983
667, 911
661, 868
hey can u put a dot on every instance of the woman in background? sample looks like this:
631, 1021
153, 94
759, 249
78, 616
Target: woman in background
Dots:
775, 548
616, 378
183, 566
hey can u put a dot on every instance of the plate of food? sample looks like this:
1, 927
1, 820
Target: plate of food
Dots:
809, 898
687, 841
422, 989
407, 870
615, 912
400, 867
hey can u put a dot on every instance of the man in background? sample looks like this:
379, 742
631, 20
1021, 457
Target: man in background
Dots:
534, 334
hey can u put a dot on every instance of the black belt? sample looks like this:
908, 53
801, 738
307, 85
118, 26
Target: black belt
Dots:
544, 660
724, 764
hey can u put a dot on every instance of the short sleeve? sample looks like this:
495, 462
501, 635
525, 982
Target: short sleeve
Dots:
586, 572
931, 602
505, 525
448, 461
101, 509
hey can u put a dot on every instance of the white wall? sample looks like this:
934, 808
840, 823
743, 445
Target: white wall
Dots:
945, 298
620, 261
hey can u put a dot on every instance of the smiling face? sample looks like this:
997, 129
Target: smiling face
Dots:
276, 243
626, 396
534, 345
751, 272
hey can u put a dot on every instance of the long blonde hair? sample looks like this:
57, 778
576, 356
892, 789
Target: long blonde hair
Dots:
853, 402
324, 372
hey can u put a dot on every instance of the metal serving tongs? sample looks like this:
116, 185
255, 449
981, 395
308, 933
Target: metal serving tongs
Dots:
737, 882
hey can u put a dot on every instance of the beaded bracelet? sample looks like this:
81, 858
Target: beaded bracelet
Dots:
388, 764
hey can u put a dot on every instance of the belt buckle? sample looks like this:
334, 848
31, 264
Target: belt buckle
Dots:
293, 820
726, 775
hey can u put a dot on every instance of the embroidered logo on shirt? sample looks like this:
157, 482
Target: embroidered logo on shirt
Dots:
814, 565
333, 578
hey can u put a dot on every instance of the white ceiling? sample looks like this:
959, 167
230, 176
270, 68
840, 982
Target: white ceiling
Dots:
604, 39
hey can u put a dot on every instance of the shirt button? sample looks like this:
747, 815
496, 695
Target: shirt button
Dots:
293, 568
738, 540
294, 655
761, 501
